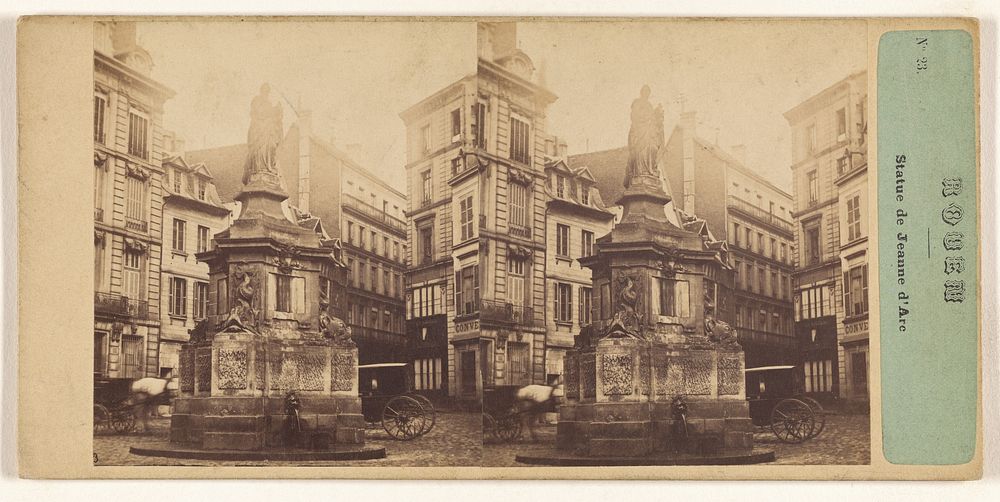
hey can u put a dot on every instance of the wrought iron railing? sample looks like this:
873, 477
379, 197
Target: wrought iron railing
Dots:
137, 225
374, 213
521, 231
119, 305
499, 311
759, 213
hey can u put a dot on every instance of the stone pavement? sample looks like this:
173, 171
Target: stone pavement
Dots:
844, 441
454, 441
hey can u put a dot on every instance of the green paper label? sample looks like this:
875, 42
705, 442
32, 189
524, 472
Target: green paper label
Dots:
928, 247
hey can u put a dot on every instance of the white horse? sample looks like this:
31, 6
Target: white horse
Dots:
148, 393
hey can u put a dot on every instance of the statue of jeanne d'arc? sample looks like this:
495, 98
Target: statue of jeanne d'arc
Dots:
645, 137
263, 137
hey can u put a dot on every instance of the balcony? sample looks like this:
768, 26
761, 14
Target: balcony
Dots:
505, 312
98, 214
374, 213
120, 306
758, 213
520, 231
136, 225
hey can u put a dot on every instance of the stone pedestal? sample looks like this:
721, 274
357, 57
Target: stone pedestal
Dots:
621, 400
234, 390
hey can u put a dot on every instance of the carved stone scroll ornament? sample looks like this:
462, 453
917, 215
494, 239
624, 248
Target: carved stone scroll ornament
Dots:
136, 246
332, 327
243, 316
627, 320
101, 160
288, 258
136, 171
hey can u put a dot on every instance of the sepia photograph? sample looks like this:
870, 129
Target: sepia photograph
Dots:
496, 243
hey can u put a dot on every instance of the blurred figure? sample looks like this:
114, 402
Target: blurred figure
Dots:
533, 401
148, 393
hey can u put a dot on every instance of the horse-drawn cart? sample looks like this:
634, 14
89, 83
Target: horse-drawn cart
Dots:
387, 400
113, 410
778, 404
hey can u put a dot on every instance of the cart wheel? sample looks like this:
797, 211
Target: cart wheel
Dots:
102, 418
508, 426
403, 418
818, 412
792, 421
430, 413
489, 427
122, 421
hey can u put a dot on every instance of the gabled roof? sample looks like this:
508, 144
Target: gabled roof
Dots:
584, 172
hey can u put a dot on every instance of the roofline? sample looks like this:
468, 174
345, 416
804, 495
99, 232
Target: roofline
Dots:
490, 65
829, 89
406, 115
344, 157
146, 80
739, 166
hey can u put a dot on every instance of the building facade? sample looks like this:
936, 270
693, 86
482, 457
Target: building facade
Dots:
740, 207
192, 214
338, 197
829, 170
575, 218
128, 204
475, 173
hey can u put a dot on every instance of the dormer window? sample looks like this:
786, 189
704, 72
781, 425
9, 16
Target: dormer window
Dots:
201, 189
560, 186
584, 195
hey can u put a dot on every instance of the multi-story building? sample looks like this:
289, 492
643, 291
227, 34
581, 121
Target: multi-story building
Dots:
192, 214
575, 218
475, 172
744, 209
336, 196
128, 200
829, 170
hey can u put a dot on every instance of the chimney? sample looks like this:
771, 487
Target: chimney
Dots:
504, 38
740, 153
305, 158
561, 148
123, 36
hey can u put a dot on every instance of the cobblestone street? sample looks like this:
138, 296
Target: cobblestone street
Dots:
454, 441
844, 441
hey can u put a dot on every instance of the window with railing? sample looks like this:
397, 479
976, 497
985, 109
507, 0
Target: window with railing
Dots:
132, 275
516, 280
135, 204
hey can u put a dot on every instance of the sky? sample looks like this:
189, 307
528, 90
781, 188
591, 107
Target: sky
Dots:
354, 77
738, 76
